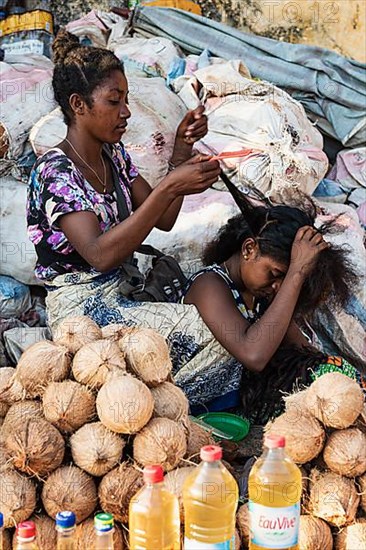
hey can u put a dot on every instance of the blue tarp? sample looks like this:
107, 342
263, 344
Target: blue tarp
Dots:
331, 87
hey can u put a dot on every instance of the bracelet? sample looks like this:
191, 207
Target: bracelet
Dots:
171, 166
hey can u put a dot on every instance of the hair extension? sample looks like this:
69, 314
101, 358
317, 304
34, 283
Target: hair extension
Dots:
288, 369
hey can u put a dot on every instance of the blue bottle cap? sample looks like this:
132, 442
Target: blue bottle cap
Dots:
65, 520
1, 520
104, 522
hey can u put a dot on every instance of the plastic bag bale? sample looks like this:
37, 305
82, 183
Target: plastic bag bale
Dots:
145, 56
18, 256
156, 114
48, 132
198, 222
26, 92
343, 332
90, 29
286, 149
15, 297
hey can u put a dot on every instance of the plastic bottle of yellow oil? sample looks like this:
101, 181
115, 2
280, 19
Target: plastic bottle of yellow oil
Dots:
210, 499
154, 521
274, 499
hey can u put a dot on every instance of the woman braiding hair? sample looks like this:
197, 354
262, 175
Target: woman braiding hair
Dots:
268, 267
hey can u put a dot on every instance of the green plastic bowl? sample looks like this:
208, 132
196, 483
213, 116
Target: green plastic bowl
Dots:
235, 427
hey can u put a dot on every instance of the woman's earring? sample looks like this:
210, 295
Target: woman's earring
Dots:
245, 256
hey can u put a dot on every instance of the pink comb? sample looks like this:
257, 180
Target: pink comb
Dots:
232, 154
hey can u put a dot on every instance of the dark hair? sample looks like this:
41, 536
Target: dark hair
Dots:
274, 228
79, 69
288, 370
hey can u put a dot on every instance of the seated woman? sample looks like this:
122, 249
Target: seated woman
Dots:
267, 266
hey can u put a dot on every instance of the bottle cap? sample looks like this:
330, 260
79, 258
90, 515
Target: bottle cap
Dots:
211, 453
103, 522
26, 530
153, 474
1, 520
65, 520
274, 441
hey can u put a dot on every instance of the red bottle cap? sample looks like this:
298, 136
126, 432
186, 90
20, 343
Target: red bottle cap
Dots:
274, 441
26, 530
153, 474
211, 453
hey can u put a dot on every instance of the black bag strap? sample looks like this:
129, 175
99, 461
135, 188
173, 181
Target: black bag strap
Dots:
123, 212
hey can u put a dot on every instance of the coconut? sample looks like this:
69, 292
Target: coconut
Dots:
174, 482
304, 481
7, 545
333, 498
117, 488
362, 484
162, 441
95, 449
335, 399
69, 488
147, 355
345, 452
352, 537
41, 364
124, 404
197, 438
361, 420
5, 460
116, 331
304, 437
295, 404
36, 447
68, 405
314, 534
85, 536
6, 374
11, 389
17, 497
242, 522
93, 362
19, 413
75, 332
170, 402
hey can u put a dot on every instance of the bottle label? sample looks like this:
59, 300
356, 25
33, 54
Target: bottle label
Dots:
274, 527
190, 544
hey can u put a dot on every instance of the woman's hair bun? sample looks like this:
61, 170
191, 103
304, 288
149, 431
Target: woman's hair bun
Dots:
63, 44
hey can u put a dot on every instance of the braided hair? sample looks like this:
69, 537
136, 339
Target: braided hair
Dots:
274, 228
79, 70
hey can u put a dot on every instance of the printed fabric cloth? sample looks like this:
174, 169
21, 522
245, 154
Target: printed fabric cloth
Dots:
57, 187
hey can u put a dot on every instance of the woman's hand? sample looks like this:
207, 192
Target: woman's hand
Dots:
192, 128
306, 248
193, 176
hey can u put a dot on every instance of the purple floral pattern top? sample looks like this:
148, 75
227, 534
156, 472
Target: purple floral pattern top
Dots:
56, 187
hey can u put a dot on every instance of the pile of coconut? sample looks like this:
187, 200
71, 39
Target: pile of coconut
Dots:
325, 431
80, 417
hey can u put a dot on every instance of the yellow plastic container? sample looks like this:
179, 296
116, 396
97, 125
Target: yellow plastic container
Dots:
274, 499
186, 5
154, 520
210, 499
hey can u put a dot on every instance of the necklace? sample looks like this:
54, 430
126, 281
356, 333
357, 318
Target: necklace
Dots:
226, 269
103, 183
